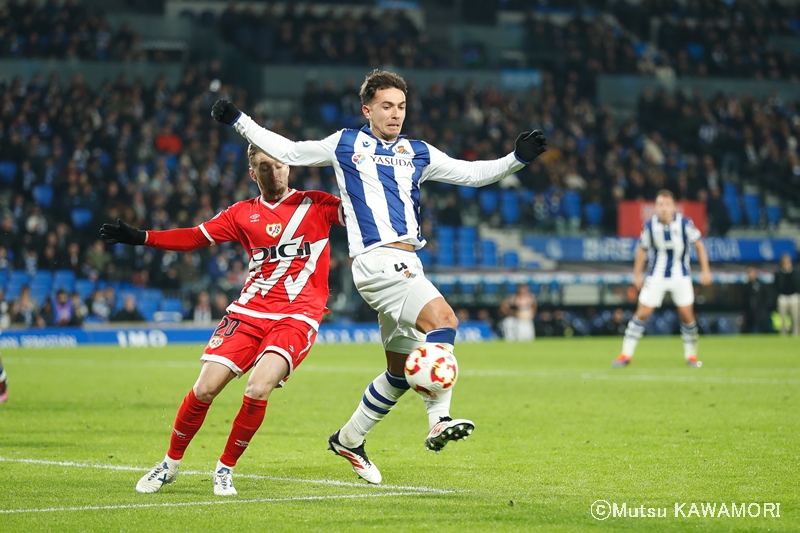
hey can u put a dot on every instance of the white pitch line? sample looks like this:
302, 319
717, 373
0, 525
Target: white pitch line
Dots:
332, 482
215, 502
622, 375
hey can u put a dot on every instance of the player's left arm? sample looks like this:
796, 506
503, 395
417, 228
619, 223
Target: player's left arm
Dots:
444, 168
693, 236
331, 206
702, 258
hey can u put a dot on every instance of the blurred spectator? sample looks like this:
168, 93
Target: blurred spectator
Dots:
79, 308
450, 214
24, 310
220, 307
201, 314
5, 311
64, 311
544, 324
719, 221
98, 307
129, 311
616, 324
756, 305
519, 310
46, 316
787, 284
485, 316
96, 260
73, 259
562, 326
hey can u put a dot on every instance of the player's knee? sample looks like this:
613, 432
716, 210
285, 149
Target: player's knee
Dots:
450, 320
258, 391
205, 393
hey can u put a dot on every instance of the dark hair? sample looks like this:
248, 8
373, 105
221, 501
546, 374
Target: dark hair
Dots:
665, 192
377, 80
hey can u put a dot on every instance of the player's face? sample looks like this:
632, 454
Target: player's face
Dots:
386, 113
271, 176
665, 208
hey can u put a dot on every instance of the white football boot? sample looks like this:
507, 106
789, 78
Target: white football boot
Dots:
223, 482
159, 476
446, 430
357, 457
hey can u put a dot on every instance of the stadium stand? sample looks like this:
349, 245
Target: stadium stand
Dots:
717, 38
74, 154
67, 31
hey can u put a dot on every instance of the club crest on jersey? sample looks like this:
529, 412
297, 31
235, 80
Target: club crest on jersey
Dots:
401, 150
359, 158
215, 342
273, 230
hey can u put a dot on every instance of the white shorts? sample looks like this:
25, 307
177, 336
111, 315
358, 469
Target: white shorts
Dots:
655, 288
393, 283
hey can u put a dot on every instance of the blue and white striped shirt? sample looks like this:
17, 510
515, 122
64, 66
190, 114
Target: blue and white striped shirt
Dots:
379, 181
670, 244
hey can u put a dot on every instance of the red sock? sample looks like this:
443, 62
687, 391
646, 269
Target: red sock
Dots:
190, 417
245, 426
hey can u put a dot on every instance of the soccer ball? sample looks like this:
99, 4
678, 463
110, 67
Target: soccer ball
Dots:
431, 370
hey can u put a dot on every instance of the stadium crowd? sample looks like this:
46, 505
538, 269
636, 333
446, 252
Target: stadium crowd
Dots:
706, 149
716, 37
72, 157
302, 36
64, 30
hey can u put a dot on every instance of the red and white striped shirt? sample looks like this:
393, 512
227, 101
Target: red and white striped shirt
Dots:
287, 242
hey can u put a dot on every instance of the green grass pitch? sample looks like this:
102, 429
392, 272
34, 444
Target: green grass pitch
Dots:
556, 429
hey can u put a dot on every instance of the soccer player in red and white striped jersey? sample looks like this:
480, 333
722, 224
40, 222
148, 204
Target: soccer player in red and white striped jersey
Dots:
272, 325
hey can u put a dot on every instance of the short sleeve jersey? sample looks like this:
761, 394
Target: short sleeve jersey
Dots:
288, 245
670, 244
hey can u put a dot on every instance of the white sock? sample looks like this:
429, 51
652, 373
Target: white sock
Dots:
220, 465
379, 398
172, 464
438, 408
689, 335
633, 333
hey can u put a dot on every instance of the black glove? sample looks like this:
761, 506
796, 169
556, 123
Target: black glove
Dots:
225, 112
530, 145
121, 232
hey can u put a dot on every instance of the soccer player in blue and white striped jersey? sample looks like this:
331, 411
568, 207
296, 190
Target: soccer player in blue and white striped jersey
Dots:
668, 235
379, 173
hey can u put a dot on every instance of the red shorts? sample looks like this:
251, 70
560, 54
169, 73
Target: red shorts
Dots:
240, 341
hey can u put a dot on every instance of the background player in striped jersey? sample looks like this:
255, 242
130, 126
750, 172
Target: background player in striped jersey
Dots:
3, 383
272, 325
668, 234
379, 173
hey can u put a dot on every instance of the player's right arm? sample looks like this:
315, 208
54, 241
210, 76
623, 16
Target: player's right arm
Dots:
303, 153
638, 267
645, 243
218, 229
